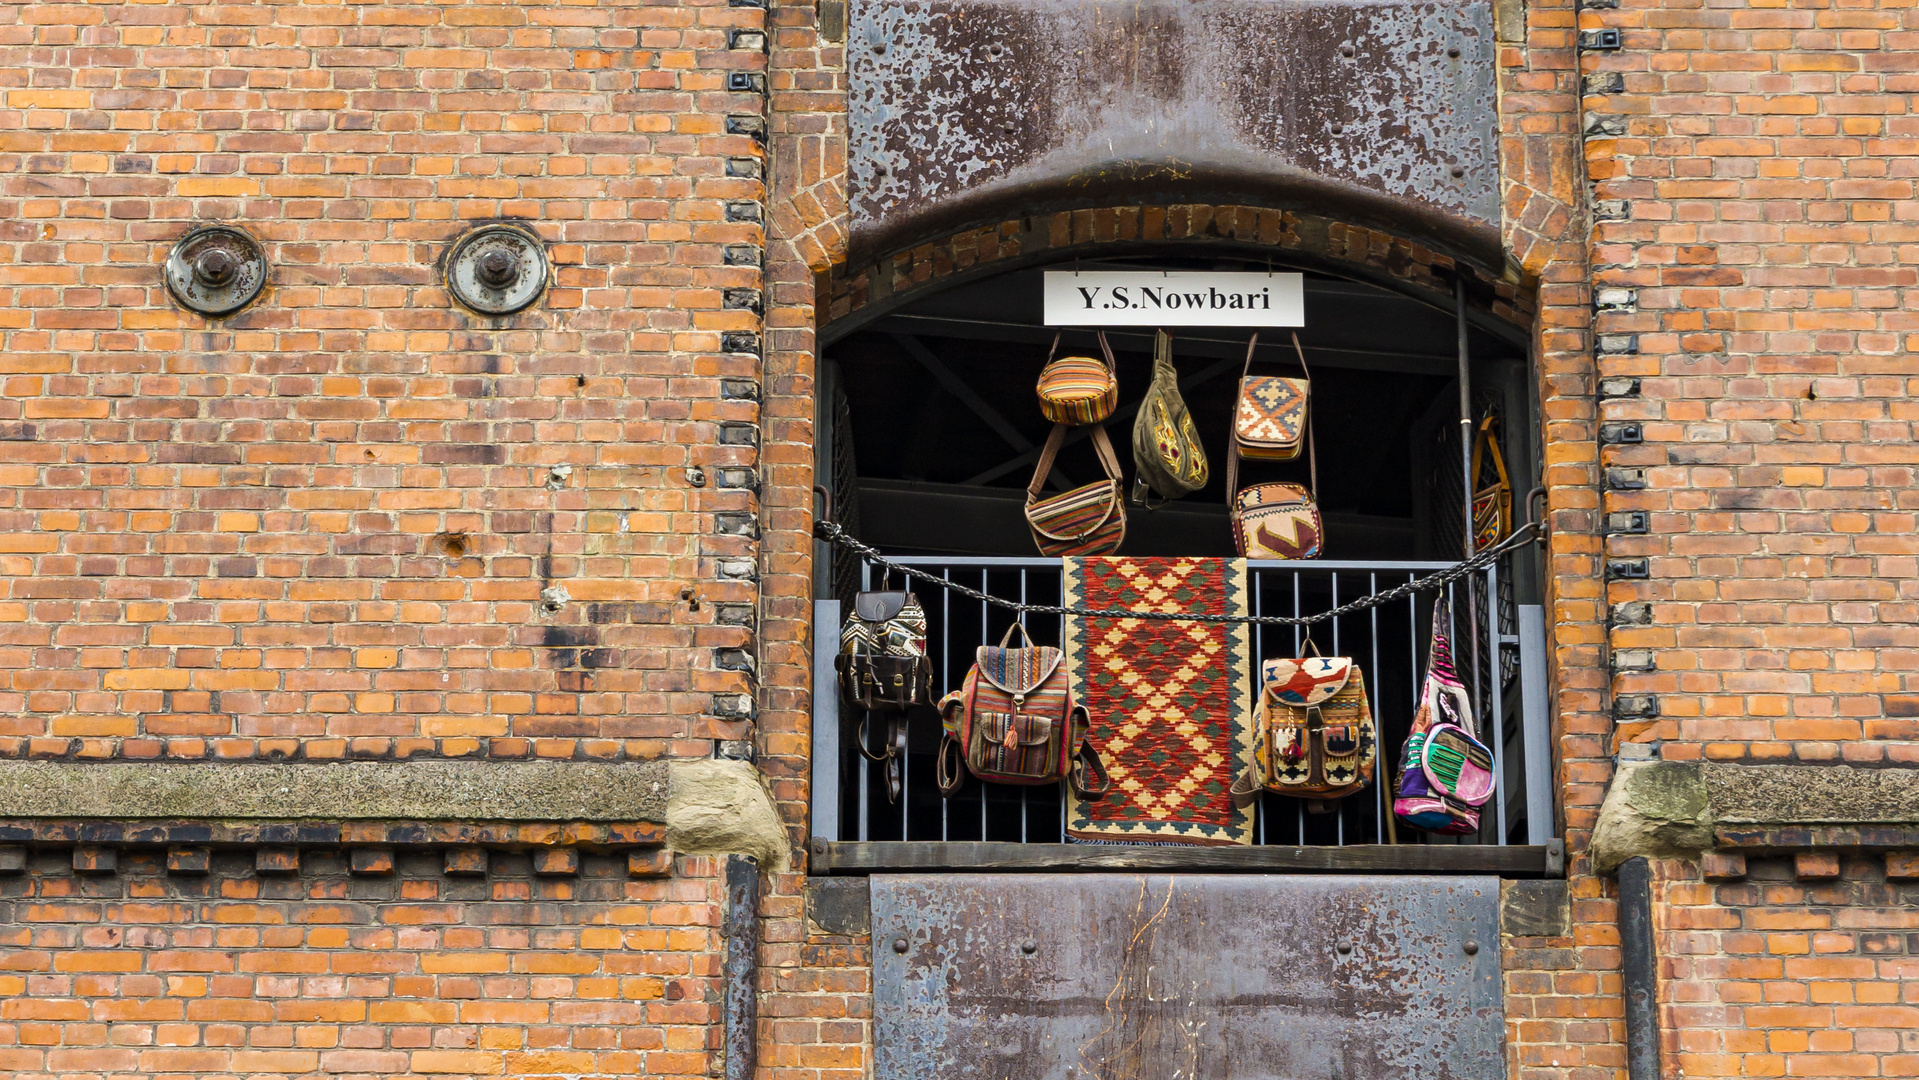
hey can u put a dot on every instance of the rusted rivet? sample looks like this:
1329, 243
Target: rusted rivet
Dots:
879, 46
1458, 171
1472, 947
1346, 51
899, 944
1453, 52
1029, 947
819, 846
1344, 947
215, 267
1339, 129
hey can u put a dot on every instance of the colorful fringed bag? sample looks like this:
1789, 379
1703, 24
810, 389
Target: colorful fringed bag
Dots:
1445, 772
1079, 390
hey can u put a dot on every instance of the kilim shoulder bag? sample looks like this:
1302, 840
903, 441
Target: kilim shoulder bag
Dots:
1275, 521
1445, 772
1079, 390
1269, 417
1167, 455
1315, 738
1492, 503
883, 668
1088, 520
1015, 721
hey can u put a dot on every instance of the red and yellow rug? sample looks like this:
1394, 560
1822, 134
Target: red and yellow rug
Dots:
1171, 702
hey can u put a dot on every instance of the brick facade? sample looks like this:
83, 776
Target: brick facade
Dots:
356, 521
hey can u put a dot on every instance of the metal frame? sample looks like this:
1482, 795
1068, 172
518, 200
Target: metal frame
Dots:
846, 840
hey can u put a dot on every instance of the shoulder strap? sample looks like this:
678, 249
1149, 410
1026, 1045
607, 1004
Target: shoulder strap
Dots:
1046, 456
1105, 350
1488, 442
1312, 444
1103, 446
1054, 351
1232, 424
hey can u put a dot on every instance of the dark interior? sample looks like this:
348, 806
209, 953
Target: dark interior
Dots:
941, 419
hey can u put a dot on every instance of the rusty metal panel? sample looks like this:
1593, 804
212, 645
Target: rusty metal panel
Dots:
977, 109
1176, 977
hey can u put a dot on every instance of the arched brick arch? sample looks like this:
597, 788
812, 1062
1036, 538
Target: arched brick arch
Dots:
852, 294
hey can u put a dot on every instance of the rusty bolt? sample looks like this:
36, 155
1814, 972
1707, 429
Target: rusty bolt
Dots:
1339, 128
1458, 171
899, 944
1472, 947
498, 267
1346, 51
819, 846
1345, 948
1029, 946
215, 267
1453, 52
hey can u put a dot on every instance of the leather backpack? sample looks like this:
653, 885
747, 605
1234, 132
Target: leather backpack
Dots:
1280, 520
1079, 390
1315, 736
1088, 520
1167, 455
883, 668
1015, 721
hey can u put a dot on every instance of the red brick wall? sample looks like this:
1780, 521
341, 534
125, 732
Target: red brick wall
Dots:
1757, 165
331, 974
1771, 976
220, 534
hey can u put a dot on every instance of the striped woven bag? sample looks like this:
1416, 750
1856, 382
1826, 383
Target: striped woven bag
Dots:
1078, 390
1088, 520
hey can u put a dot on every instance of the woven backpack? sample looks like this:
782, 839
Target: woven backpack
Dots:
1315, 738
1015, 721
1079, 390
1167, 455
883, 669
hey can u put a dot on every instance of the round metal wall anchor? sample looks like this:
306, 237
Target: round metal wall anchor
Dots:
216, 270
497, 269
1029, 946
899, 944
1472, 947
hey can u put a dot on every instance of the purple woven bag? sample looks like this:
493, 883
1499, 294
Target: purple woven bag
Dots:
1445, 772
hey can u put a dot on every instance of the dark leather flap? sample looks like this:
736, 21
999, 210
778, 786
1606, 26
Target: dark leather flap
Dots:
880, 606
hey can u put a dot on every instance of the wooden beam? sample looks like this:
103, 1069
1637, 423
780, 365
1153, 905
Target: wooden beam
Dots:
891, 857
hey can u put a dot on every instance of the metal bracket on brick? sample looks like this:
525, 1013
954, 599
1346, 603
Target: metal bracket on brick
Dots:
216, 270
497, 269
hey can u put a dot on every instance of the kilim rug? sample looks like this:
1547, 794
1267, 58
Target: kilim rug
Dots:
1171, 702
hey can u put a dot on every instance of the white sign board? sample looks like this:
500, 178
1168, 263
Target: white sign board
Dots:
1174, 298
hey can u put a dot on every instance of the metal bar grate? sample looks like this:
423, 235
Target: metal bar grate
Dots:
1389, 642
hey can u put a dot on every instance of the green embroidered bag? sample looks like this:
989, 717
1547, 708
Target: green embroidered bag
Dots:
1166, 449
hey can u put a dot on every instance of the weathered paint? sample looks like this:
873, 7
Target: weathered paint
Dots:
963, 109
1157, 977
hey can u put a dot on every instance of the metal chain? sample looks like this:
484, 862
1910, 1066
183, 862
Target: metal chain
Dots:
831, 532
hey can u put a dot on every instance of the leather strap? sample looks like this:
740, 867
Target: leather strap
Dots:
1312, 446
951, 775
1106, 351
1054, 351
1102, 446
1089, 780
1232, 435
894, 754
1245, 789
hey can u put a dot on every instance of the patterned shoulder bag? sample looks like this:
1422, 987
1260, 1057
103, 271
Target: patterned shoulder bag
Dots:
1273, 521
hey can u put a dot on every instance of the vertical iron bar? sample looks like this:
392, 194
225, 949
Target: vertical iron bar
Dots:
1258, 584
1380, 770
985, 634
1299, 811
865, 767
1465, 406
827, 753
946, 680
1026, 793
1339, 807
1498, 699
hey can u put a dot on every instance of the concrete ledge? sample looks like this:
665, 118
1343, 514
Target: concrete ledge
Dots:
1668, 809
463, 791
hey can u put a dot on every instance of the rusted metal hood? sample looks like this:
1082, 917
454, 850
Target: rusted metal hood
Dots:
976, 110
1173, 977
